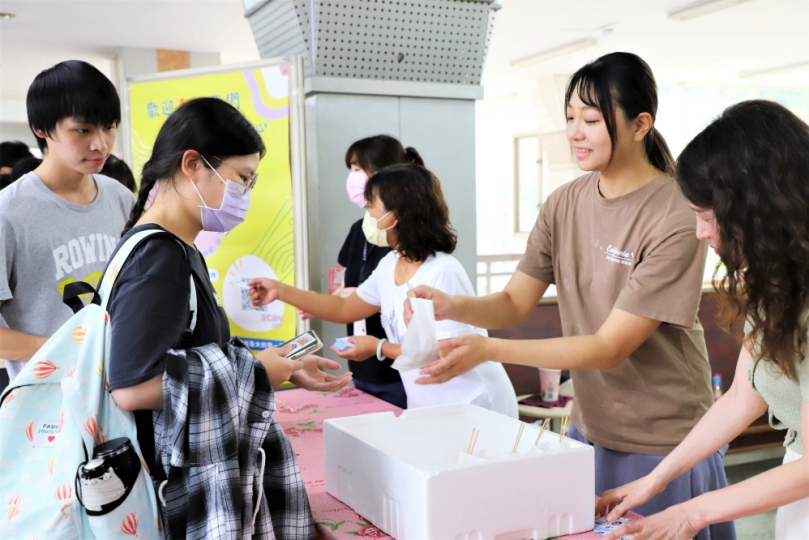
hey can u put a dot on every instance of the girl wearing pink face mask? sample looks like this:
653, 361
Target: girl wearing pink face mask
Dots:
360, 256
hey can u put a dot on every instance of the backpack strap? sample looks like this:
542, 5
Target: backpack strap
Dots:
73, 293
114, 266
192, 304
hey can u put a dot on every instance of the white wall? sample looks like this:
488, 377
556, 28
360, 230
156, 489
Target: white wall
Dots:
13, 131
506, 113
494, 168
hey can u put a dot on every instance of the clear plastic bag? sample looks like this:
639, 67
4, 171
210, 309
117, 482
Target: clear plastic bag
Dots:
420, 345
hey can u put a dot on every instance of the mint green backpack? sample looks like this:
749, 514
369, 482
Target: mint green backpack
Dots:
55, 417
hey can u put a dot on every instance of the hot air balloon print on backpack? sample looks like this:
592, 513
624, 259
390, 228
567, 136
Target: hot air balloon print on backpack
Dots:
78, 335
130, 524
91, 424
64, 492
44, 369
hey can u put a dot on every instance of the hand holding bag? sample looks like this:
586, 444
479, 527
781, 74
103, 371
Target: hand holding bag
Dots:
420, 345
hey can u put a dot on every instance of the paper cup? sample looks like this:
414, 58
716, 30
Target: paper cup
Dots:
549, 383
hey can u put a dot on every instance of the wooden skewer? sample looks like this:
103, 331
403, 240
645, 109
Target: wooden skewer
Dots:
563, 429
472, 440
519, 436
541, 431
411, 292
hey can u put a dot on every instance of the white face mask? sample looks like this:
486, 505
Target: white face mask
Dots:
375, 235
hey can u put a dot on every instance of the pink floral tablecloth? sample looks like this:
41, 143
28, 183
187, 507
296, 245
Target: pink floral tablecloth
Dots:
301, 415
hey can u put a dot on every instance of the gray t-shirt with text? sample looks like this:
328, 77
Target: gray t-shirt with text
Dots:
47, 242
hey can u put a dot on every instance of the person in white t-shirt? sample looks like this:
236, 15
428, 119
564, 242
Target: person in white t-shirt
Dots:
406, 211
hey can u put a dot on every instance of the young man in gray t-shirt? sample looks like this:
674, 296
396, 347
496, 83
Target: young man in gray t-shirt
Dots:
61, 222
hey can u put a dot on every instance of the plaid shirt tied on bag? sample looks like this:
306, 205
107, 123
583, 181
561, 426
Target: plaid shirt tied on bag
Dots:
222, 450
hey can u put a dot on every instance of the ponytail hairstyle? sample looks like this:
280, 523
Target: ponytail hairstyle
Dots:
210, 126
415, 197
749, 168
374, 153
626, 81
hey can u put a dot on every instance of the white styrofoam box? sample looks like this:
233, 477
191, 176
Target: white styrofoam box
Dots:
408, 477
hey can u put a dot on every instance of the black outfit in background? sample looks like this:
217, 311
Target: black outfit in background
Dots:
360, 258
149, 313
3, 379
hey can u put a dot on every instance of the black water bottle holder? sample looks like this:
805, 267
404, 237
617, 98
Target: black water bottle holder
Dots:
105, 481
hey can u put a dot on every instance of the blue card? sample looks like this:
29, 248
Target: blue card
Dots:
342, 344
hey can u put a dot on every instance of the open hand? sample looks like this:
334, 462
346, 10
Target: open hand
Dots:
460, 355
313, 379
674, 523
279, 369
442, 302
364, 347
262, 291
618, 501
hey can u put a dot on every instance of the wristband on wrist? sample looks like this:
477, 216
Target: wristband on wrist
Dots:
379, 355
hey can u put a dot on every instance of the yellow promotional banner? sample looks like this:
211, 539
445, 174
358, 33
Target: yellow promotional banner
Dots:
262, 246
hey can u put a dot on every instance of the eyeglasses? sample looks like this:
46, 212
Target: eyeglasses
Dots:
249, 182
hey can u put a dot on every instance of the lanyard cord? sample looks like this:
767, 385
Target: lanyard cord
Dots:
362, 276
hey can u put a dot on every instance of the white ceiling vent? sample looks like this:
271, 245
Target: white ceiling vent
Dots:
441, 41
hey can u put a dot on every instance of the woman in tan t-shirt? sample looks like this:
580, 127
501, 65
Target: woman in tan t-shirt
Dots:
745, 176
620, 245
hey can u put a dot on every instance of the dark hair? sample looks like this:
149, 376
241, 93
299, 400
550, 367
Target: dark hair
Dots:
749, 167
71, 88
119, 170
5, 181
414, 196
380, 151
212, 127
24, 166
13, 151
625, 80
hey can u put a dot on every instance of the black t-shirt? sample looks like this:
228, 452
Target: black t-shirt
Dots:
149, 308
149, 313
360, 258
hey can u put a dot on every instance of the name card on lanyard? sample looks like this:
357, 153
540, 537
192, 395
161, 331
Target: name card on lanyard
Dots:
360, 329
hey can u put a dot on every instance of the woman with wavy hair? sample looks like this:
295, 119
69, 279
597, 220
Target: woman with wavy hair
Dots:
360, 257
406, 210
746, 176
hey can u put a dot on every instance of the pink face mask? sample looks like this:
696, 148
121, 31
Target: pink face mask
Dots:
355, 186
232, 211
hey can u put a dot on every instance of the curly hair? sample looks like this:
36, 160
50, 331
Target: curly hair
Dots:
750, 168
414, 196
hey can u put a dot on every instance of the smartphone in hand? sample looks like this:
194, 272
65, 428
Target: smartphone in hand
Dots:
303, 345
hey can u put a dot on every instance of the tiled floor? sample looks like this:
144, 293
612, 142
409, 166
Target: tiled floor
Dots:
761, 526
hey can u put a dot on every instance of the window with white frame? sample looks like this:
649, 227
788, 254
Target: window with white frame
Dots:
528, 182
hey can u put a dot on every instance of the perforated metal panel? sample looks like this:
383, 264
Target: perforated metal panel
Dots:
442, 41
